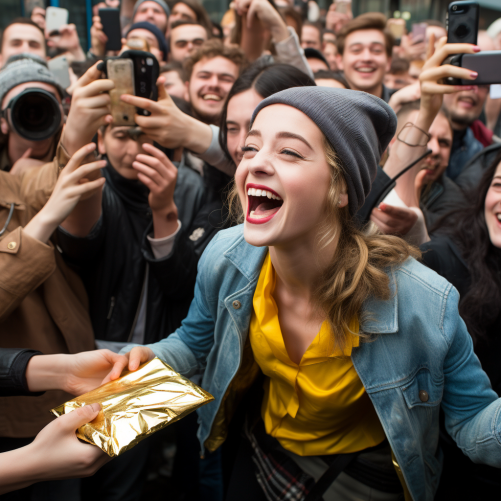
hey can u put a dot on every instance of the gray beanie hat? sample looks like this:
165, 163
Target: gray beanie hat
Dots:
358, 125
162, 4
25, 69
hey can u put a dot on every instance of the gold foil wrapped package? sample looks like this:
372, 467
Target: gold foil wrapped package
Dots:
136, 405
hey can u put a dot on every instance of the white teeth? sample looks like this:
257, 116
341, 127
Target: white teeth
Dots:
365, 70
498, 216
253, 192
212, 97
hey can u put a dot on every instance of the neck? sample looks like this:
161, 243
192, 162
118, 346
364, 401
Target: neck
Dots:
459, 126
375, 91
296, 269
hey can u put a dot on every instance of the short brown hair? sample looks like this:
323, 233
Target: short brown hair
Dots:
399, 66
368, 21
215, 48
174, 66
20, 20
185, 22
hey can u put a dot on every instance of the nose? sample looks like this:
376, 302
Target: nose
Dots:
434, 146
213, 81
260, 165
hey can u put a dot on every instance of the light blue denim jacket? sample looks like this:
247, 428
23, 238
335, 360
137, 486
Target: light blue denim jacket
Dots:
422, 345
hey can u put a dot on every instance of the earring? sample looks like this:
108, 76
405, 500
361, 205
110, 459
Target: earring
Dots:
339, 202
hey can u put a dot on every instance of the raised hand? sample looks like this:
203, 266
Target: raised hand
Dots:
98, 38
71, 186
131, 360
90, 109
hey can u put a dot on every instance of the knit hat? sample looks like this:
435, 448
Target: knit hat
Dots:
24, 68
162, 4
358, 125
145, 25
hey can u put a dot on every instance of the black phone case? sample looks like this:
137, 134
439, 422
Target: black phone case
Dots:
110, 19
487, 64
462, 22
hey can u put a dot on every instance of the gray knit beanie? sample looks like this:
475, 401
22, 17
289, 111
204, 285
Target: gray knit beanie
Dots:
359, 127
162, 4
19, 70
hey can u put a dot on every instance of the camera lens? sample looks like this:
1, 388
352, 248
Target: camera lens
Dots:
462, 31
35, 114
454, 7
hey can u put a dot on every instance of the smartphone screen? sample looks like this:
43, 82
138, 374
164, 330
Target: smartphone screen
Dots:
55, 17
121, 71
110, 19
418, 32
342, 6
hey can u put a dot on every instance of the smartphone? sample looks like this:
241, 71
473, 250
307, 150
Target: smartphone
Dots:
462, 22
110, 19
121, 71
397, 29
60, 68
55, 17
487, 64
342, 6
418, 33
146, 73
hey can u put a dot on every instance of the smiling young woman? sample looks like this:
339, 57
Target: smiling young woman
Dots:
354, 345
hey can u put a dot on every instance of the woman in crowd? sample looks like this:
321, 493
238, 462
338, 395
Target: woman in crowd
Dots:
466, 250
358, 343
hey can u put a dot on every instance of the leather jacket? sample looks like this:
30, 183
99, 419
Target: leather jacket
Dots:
115, 259
13, 363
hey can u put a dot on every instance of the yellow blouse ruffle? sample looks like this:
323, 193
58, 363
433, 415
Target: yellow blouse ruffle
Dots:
319, 406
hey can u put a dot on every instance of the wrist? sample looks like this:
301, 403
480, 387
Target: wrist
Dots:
279, 32
46, 372
165, 221
78, 54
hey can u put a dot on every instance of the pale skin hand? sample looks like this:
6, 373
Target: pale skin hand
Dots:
97, 37
336, 20
75, 374
407, 94
71, 186
393, 220
132, 360
90, 109
67, 39
158, 173
168, 125
432, 91
56, 453
25, 164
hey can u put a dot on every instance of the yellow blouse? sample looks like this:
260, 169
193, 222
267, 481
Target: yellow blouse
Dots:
319, 406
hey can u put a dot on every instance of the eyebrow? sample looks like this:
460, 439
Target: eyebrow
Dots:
229, 75
186, 40
370, 43
281, 135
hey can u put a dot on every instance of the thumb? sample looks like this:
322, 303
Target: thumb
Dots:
419, 182
162, 93
27, 153
79, 417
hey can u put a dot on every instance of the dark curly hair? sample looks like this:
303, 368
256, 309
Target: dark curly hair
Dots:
480, 306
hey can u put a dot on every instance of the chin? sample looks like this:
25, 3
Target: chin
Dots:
257, 236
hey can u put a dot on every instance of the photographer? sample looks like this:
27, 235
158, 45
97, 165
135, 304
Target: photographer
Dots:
32, 115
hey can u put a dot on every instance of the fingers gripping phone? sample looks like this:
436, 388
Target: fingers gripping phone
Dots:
462, 22
121, 71
138, 76
55, 17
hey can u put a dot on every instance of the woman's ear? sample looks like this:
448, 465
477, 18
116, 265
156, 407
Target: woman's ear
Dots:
343, 200
4, 126
100, 142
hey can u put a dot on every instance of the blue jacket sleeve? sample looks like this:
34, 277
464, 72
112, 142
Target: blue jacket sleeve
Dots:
472, 409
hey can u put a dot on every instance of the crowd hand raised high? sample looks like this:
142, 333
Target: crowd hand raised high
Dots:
75, 374
131, 361
159, 174
263, 11
410, 50
406, 94
90, 109
168, 125
336, 20
55, 454
393, 220
73, 184
67, 39
98, 38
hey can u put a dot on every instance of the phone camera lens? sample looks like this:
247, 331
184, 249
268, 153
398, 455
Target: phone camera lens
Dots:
462, 31
143, 70
454, 7
126, 118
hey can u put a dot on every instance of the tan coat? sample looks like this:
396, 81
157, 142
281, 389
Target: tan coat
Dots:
43, 304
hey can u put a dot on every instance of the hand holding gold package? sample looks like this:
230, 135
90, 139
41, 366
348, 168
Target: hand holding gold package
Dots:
136, 405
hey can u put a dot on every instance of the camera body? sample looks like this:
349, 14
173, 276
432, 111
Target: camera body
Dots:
487, 64
34, 114
462, 22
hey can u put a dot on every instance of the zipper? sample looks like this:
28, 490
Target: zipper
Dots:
112, 305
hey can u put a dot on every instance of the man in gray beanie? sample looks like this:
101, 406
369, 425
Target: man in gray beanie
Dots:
153, 11
23, 72
359, 126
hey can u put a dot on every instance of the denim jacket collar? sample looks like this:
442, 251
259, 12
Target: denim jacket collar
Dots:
378, 316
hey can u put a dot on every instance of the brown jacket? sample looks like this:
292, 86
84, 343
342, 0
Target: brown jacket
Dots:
43, 304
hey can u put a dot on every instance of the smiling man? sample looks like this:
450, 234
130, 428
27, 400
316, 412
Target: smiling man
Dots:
22, 35
211, 71
185, 38
364, 53
464, 108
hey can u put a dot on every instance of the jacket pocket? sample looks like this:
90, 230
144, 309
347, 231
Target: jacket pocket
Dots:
423, 390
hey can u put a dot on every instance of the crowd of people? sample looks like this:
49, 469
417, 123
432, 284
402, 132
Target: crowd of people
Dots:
306, 223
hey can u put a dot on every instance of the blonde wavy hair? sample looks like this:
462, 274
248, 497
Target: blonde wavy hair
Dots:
360, 265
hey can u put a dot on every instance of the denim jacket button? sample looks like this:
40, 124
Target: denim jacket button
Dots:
237, 305
423, 396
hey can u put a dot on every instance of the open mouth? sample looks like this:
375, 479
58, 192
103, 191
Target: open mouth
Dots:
365, 69
263, 204
498, 216
467, 101
211, 97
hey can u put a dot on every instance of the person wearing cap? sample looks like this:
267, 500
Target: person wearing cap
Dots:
22, 74
152, 11
350, 345
316, 60
149, 32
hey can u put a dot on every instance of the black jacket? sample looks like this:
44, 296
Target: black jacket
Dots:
461, 479
115, 258
13, 364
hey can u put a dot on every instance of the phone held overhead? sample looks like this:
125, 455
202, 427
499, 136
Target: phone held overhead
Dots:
110, 19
